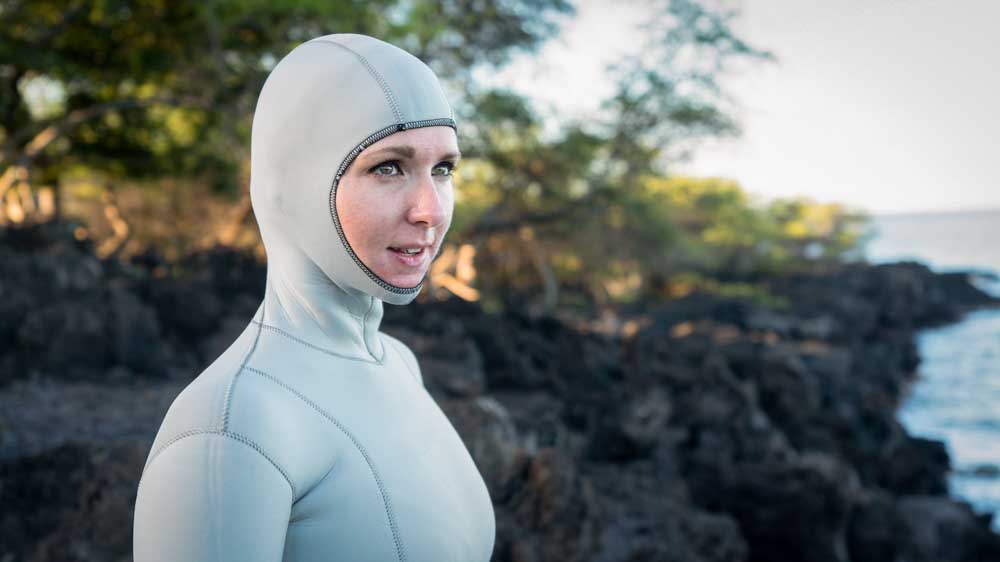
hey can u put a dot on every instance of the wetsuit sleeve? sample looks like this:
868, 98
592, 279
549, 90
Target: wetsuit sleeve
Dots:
211, 497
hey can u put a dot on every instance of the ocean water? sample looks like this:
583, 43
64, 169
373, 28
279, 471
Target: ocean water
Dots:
956, 397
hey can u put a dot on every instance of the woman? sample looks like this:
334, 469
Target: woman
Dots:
312, 437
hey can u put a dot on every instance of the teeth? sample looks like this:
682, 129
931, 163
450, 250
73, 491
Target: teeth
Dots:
408, 251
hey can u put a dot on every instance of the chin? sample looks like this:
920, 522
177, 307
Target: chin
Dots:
405, 280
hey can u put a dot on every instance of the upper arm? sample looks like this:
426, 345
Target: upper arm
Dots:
211, 496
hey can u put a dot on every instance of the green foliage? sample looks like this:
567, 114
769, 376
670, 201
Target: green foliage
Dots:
139, 91
685, 282
599, 202
726, 233
455, 36
169, 87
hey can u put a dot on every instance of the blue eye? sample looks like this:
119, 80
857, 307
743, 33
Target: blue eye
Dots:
385, 168
387, 164
448, 166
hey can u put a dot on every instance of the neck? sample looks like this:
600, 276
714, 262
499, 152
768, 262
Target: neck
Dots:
302, 303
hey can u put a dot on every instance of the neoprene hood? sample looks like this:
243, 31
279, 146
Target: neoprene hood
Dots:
318, 109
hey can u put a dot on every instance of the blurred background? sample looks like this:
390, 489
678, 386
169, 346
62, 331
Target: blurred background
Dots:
729, 268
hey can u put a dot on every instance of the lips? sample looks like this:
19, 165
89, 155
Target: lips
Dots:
412, 250
415, 259
411, 246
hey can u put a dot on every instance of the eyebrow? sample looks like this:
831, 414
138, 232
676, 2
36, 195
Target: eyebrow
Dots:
409, 152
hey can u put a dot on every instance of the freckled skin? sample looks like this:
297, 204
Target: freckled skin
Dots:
409, 202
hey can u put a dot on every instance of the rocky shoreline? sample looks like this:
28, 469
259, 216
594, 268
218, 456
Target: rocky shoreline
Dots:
699, 429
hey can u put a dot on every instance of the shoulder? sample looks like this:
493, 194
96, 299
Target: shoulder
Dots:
251, 410
409, 357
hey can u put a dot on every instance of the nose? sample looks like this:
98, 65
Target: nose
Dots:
427, 204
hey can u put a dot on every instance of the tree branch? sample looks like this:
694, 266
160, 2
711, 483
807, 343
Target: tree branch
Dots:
490, 225
55, 127
61, 125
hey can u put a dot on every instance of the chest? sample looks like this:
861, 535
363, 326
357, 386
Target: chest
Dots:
403, 486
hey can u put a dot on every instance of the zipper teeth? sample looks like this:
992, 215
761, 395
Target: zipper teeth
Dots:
369, 140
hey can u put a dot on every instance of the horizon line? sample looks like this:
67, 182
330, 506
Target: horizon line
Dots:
960, 211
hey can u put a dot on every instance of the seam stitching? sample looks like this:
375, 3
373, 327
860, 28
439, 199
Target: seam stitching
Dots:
374, 74
309, 345
371, 466
444, 95
227, 402
235, 436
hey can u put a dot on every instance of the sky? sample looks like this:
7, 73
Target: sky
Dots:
886, 105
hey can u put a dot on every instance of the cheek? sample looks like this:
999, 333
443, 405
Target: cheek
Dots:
360, 214
449, 208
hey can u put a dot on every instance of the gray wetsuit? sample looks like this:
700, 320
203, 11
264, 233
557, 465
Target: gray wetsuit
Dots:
312, 437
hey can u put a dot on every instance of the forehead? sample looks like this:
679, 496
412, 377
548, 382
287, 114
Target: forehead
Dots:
428, 142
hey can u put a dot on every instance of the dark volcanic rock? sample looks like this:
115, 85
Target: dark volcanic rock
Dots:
629, 429
943, 529
552, 515
717, 430
73, 503
68, 314
915, 465
919, 528
796, 511
201, 295
872, 533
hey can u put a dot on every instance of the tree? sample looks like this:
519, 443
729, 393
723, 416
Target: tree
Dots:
581, 195
155, 88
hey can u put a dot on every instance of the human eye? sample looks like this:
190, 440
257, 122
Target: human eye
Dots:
387, 165
449, 168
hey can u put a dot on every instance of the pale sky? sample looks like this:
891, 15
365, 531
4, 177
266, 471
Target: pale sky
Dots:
887, 105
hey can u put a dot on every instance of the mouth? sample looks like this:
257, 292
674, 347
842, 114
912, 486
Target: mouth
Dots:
410, 255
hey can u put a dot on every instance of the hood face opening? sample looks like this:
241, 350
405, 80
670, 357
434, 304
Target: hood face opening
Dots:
321, 105
372, 139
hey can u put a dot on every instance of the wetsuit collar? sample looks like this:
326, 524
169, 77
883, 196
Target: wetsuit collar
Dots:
301, 302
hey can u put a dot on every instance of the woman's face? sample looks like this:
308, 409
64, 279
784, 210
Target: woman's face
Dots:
397, 195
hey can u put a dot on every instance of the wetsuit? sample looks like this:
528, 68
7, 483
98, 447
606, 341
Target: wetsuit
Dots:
312, 437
